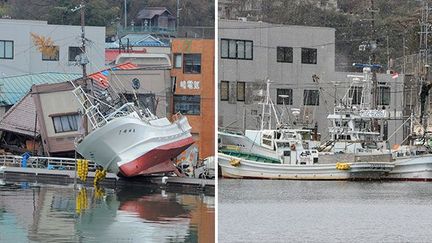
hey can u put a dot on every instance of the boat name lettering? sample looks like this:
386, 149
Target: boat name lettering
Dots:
190, 84
373, 113
126, 131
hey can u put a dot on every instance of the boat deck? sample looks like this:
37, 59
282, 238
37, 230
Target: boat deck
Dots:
250, 156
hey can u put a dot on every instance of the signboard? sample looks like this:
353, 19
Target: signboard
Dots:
373, 114
189, 84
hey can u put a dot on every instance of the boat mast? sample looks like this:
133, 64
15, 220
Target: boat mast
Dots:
267, 108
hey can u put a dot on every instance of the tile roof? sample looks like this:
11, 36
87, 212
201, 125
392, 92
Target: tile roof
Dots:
150, 12
21, 117
13, 88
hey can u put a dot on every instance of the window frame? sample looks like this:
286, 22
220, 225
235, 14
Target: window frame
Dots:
4, 49
61, 123
279, 100
227, 91
244, 90
228, 53
303, 53
382, 92
284, 50
57, 57
184, 62
306, 97
179, 99
69, 52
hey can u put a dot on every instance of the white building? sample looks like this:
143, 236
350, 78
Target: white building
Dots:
19, 55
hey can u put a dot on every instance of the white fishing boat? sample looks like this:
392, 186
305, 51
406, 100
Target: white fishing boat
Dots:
353, 137
296, 165
131, 141
285, 153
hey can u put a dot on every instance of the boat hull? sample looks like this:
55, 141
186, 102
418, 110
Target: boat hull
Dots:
413, 168
253, 169
133, 147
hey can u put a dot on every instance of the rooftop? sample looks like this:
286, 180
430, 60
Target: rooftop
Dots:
137, 40
150, 12
21, 118
13, 88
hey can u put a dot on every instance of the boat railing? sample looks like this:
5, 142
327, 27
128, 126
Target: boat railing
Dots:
41, 162
123, 110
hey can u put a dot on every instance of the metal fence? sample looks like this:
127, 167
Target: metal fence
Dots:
42, 162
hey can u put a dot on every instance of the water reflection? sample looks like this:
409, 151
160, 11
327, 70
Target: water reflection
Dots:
44, 213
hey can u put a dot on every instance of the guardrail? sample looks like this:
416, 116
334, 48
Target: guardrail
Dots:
42, 162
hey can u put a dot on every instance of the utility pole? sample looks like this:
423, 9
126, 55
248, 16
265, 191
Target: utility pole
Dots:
178, 15
83, 57
125, 14
83, 44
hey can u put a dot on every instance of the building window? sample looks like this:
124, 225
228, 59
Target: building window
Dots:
224, 90
284, 54
355, 93
284, 96
240, 91
73, 53
311, 97
187, 104
192, 63
51, 53
383, 95
236, 49
66, 123
309, 55
6, 49
178, 59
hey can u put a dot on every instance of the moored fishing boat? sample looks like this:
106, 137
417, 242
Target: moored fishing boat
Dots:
243, 165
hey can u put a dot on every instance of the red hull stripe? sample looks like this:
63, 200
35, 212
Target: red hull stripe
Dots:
144, 163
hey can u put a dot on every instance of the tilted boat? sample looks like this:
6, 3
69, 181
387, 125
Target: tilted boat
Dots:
131, 141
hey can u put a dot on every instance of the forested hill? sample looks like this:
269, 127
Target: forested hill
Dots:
394, 18
105, 12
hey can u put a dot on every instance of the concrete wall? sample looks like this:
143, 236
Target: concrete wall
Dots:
27, 59
240, 115
157, 82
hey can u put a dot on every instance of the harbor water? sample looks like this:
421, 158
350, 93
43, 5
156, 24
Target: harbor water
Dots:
34, 212
324, 211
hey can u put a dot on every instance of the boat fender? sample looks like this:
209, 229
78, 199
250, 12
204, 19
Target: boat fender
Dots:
342, 166
293, 147
235, 162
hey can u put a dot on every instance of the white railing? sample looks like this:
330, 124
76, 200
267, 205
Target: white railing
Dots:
42, 162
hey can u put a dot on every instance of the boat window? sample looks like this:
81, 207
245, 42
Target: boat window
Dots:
267, 142
349, 137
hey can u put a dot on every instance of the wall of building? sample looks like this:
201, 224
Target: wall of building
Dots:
55, 99
202, 124
28, 59
157, 82
240, 115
